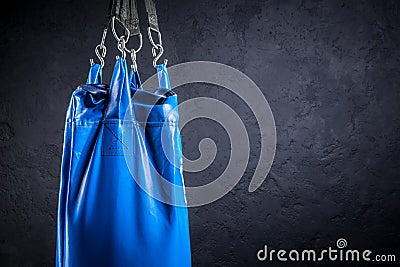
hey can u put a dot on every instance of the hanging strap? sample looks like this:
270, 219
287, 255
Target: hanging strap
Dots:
157, 47
127, 13
134, 18
152, 15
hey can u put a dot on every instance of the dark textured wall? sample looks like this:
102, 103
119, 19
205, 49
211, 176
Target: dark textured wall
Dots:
329, 69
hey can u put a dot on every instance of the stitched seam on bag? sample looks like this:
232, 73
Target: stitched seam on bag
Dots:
139, 123
82, 123
147, 124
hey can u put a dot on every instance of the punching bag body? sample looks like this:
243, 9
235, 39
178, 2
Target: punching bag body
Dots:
105, 218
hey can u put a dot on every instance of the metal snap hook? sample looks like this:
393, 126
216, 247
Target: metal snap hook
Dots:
121, 46
157, 56
133, 57
102, 55
156, 46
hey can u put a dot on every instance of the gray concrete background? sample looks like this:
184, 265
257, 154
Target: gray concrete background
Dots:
329, 69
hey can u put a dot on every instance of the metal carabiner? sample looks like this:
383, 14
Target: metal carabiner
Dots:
149, 29
127, 32
133, 52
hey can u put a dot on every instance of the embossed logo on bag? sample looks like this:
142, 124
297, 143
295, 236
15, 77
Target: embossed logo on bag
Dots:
113, 143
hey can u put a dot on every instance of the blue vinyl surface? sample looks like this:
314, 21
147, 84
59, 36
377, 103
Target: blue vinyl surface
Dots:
104, 217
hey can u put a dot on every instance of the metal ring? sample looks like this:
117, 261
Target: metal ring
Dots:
140, 44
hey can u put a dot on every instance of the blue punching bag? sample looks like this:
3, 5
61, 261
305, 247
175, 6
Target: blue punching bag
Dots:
105, 218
